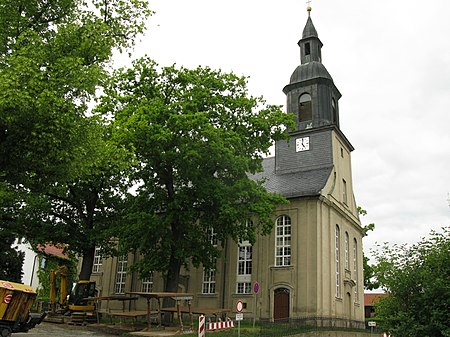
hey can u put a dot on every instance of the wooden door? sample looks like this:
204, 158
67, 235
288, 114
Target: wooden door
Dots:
281, 305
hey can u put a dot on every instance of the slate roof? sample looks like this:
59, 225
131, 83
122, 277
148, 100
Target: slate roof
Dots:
293, 184
309, 71
309, 30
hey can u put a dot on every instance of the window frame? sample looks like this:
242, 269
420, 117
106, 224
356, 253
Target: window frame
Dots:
283, 241
147, 284
338, 260
121, 274
98, 261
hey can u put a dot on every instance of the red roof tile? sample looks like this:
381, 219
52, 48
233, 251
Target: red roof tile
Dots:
57, 251
370, 299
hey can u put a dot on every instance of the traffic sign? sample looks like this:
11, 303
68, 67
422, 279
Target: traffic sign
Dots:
372, 323
239, 316
256, 287
239, 306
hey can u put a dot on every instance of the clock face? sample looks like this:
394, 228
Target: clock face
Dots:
302, 144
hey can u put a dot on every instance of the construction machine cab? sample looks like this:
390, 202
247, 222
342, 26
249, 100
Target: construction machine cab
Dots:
79, 298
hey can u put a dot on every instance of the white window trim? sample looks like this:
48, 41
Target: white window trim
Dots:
147, 284
355, 268
283, 222
338, 261
121, 274
347, 248
98, 261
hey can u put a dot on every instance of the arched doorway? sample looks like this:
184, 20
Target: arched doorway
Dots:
281, 305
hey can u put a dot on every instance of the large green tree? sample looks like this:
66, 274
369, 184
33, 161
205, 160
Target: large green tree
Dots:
54, 56
80, 212
197, 135
417, 279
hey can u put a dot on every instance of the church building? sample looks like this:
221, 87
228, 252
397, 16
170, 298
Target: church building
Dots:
310, 268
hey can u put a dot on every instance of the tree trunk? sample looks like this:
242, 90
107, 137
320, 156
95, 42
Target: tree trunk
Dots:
171, 284
86, 265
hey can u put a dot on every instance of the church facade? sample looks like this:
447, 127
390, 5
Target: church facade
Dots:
310, 268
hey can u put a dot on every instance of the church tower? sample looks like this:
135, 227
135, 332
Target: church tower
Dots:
313, 259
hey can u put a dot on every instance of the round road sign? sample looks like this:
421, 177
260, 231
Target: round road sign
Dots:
256, 287
239, 306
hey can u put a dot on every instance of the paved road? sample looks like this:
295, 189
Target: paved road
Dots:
60, 330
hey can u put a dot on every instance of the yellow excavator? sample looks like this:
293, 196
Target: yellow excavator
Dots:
77, 299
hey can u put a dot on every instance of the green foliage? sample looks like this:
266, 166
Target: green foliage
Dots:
58, 172
11, 259
49, 263
370, 281
52, 60
416, 277
197, 135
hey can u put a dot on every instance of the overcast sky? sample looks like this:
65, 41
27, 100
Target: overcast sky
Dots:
389, 59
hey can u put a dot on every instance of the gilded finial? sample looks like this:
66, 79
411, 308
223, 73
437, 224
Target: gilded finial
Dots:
308, 8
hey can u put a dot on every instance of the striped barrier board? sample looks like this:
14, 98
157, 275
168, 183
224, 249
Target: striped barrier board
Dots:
221, 325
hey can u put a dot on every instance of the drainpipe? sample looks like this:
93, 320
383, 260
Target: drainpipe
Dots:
224, 269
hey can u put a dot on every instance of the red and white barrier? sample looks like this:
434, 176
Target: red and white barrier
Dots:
228, 324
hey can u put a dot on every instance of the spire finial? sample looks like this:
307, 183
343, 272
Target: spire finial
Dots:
308, 8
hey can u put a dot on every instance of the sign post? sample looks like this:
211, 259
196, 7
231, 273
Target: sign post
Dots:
239, 315
255, 292
372, 324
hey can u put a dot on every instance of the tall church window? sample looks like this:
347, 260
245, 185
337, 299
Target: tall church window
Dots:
147, 284
209, 275
121, 274
338, 260
98, 260
283, 241
209, 280
355, 267
244, 264
347, 244
245, 260
305, 108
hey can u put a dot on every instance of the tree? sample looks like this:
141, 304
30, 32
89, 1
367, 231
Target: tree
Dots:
11, 259
370, 281
197, 136
417, 280
80, 212
53, 58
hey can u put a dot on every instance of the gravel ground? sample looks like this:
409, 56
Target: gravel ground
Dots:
61, 330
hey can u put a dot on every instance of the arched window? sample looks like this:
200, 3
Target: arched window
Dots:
355, 267
304, 108
283, 241
338, 260
347, 248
